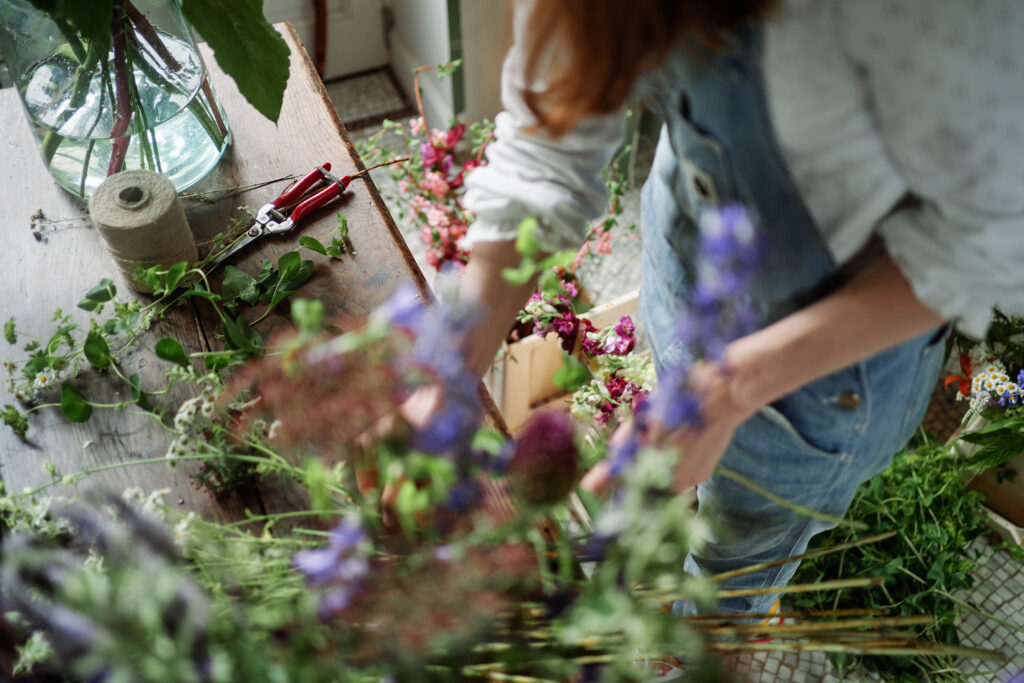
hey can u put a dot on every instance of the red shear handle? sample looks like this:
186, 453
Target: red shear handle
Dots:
319, 199
298, 188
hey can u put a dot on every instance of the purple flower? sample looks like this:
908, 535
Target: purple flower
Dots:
625, 327
1020, 378
719, 311
404, 309
339, 562
436, 330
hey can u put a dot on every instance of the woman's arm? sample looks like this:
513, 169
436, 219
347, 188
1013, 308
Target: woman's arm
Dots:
495, 299
876, 310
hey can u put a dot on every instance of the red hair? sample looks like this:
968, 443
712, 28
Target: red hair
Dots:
608, 43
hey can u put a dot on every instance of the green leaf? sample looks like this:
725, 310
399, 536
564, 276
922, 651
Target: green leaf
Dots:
96, 350
288, 264
996, 448
520, 275
98, 295
448, 68
218, 361
246, 47
313, 244
572, 375
290, 284
239, 285
317, 480
268, 274
239, 335
171, 350
203, 294
174, 275
527, 242
138, 395
9, 332
308, 314
343, 226
73, 404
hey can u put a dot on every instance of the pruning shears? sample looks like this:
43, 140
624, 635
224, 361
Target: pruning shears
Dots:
283, 213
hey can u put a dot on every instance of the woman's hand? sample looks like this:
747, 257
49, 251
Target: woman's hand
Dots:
724, 406
723, 409
874, 311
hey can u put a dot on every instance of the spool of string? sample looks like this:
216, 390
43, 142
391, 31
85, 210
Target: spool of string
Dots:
142, 223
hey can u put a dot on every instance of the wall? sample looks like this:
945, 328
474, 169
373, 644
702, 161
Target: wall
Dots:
355, 32
486, 37
419, 36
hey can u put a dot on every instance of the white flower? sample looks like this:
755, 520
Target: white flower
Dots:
183, 537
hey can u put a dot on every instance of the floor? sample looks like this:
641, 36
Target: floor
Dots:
365, 100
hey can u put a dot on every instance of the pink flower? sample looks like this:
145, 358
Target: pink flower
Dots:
435, 183
454, 135
417, 125
439, 139
437, 217
403, 186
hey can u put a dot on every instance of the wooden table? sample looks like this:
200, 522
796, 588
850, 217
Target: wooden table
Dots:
53, 268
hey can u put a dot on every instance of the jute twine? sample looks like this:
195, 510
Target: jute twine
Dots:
138, 215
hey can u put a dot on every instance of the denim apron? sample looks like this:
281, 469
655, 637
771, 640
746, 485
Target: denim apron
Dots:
816, 445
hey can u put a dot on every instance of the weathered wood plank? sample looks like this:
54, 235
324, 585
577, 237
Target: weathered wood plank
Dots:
51, 272
43, 275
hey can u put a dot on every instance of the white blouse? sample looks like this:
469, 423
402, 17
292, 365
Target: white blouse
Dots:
870, 100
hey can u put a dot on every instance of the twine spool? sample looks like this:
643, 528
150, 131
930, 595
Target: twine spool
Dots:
142, 223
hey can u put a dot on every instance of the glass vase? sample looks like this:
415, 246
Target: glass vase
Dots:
101, 103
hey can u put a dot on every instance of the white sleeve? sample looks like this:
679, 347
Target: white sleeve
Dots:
946, 83
556, 180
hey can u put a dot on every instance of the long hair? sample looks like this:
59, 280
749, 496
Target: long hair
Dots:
603, 45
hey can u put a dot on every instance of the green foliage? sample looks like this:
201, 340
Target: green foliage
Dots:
338, 246
73, 403
448, 68
98, 295
308, 315
90, 19
572, 375
998, 441
10, 334
238, 285
247, 48
96, 350
171, 350
922, 496
15, 419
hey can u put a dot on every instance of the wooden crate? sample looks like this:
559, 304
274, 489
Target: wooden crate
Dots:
1004, 500
520, 381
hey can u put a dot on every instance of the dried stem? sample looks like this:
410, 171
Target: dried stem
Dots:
782, 502
816, 553
779, 630
880, 647
803, 614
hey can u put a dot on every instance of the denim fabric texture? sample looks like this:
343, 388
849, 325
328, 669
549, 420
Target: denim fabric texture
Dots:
815, 446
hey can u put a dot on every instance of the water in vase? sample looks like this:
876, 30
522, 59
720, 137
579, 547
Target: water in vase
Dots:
175, 125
